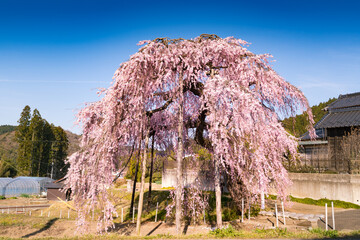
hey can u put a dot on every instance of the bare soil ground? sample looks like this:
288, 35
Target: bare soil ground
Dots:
47, 222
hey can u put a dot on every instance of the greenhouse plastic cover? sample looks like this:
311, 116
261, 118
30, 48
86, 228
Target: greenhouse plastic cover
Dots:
12, 187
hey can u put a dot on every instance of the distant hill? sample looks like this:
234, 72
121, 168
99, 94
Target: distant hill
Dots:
6, 128
299, 127
8, 144
74, 142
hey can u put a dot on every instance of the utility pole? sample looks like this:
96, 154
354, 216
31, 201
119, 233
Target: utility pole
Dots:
52, 169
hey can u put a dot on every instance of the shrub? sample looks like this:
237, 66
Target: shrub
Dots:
24, 195
2, 197
119, 182
229, 214
228, 231
329, 233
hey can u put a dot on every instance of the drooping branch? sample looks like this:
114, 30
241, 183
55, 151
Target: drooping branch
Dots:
163, 107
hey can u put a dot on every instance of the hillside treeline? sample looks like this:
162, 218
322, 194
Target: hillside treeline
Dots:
42, 148
297, 125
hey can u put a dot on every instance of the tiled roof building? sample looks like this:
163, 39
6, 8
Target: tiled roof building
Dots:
324, 153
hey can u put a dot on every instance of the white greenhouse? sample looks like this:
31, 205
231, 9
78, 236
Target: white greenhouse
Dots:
13, 187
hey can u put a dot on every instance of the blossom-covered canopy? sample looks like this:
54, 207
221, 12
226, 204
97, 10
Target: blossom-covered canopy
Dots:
233, 101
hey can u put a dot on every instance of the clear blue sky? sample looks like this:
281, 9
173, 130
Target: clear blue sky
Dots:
54, 54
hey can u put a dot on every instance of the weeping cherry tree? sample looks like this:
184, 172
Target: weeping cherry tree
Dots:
209, 90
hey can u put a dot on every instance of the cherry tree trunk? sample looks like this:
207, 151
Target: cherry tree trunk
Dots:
218, 195
142, 185
180, 150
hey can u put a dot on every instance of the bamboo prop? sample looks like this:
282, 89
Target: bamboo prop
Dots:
67, 204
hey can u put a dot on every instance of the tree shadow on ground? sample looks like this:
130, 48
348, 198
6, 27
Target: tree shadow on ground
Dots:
124, 228
46, 227
154, 229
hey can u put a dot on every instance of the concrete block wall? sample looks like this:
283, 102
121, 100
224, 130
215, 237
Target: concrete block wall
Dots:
344, 187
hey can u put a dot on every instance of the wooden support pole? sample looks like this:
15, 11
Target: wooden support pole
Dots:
283, 212
276, 215
326, 217
122, 215
333, 215
157, 205
242, 210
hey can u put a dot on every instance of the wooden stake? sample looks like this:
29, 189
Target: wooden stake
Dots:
60, 213
249, 211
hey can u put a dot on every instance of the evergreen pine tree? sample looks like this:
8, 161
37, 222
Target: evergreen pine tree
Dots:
59, 149
42, 146
23, 137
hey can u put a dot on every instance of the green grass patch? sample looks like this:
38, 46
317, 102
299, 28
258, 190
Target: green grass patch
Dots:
324, 233
24, 195
228, 231
9, 220
322, 201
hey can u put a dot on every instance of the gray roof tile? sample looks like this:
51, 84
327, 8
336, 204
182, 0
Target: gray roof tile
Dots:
340, 119
345, 101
